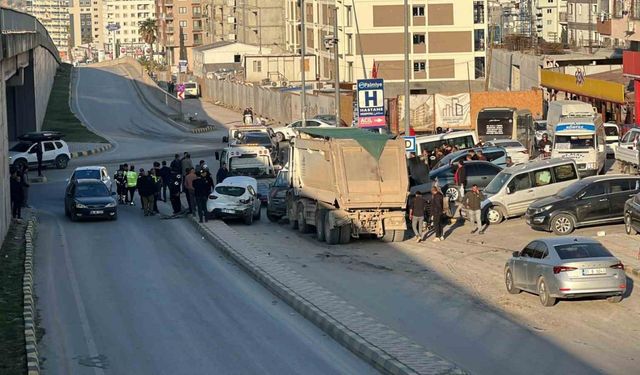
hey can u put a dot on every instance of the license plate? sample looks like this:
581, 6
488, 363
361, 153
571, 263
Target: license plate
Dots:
227, 211
96, 212
594, 271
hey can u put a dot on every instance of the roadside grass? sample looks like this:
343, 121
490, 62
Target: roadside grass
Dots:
59, 116
12, 344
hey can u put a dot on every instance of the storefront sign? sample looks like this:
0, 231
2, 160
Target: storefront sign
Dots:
453, 111
589, 87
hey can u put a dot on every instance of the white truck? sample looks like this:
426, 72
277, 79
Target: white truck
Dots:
627, 153
252, 161
347, 182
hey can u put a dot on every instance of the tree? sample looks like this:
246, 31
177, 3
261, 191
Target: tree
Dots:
148, 30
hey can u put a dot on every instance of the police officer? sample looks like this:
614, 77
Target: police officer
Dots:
132, 183
174, 193
121, 187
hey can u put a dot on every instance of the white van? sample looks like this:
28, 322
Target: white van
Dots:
191, 90
511, 192
612, 137
462, 139
583, 140
560, 109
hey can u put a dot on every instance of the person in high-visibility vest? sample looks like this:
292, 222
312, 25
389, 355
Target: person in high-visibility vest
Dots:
132, 183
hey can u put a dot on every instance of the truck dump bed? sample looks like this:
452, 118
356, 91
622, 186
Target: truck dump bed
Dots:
354, 168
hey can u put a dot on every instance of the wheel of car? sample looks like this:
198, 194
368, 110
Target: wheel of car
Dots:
495, 215
62, 161
303, 227
248, 219
66, 211
562, 224
345, 234
320, 214
257, 214
20, 164
273, 218
72, 215
543, 293
331, 235
453, 193
614, 299
628, 228
280, 137
508, 282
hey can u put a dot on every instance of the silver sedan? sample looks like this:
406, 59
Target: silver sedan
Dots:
566, 267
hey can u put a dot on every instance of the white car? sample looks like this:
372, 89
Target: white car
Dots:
285, 133
235, 197
55, 151
93, 173
516, 150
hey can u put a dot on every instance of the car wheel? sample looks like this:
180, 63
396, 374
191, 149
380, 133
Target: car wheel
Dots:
628, 228
303, 227
562, 224
248, 219
495, 215
508, 282
62, 161
614, 299
345, 234
320, 214
257, 214
452, 192
72, 215
279, 137
543, 293
272, 218
66, 210
331, 235
20, 164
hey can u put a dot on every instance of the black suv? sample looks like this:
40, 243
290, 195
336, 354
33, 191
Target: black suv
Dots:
590, 201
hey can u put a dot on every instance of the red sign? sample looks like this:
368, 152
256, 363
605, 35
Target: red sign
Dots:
372, 122
631, 63
181, 95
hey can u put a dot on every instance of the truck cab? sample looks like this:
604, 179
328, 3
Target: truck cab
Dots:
583, 140
254, 161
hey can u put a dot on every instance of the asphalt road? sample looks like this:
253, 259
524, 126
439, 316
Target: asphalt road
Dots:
143, 295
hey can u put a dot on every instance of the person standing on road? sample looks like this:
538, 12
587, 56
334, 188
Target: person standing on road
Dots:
186, 163
472, 202
176, 165
189, 190
16, 194
157, 185
24, 180
460, 177
205, 175
437, 207
165, 177
121, 184
39, 157
200, 167
146, 188
416, 215
201, 190
174, 193
132, 183
223, 173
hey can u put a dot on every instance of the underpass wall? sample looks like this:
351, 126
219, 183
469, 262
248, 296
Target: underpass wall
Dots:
5, 203
45, 66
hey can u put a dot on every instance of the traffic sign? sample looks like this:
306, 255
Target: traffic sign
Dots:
180, 91
371, 103
410, 143
113, 27
182, 66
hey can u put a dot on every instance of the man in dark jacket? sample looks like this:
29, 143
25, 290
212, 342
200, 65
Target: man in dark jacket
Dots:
165, 177
174, 193
472, 202
416, 215
201, 191
16, 194
437, 207
176, 165
223, 173
39, 157
146, 188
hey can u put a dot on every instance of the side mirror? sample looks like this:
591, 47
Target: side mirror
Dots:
217, 155
508, 190
515, 254
225, 139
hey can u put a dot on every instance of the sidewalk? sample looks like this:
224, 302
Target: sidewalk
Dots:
213, 114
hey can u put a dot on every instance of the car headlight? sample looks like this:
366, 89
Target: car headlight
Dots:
542, 209
80, 205
111, 205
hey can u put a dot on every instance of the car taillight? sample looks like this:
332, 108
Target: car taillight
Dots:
213, 197
558, 269
618, 266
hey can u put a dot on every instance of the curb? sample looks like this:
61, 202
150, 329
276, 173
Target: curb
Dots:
96, 150
203, 129
380, 347
31, 344
632, 272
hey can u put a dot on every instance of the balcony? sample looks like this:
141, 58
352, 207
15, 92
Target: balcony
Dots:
168, 16
168, 3
197, 29
562, 17
604, 28
169, 29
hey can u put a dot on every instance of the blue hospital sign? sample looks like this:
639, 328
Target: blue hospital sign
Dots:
371, 103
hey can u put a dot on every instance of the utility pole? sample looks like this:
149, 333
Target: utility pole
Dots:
303, 52
407, 63
336, 66
590, 27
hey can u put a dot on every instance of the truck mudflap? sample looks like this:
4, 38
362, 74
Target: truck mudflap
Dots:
369, 221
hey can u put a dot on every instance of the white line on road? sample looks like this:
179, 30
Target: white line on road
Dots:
82, 312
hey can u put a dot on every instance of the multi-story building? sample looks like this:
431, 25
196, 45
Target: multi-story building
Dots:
54, 16
447, 48
20, 5
551, 17
582, 17
87, 26
127, 14
181, 20
619, 23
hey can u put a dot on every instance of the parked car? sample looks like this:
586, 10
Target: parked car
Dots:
632, 215
478, 172
496, 155
235, 197
55, 151
593, 200
330, 119
285, 133
515, 188
276, 202
93, 173
516, 150
565, 267
88, 199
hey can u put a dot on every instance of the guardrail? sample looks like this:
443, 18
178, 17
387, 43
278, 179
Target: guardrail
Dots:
14, 24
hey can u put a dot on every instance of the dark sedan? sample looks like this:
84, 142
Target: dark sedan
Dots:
87, 199
632, 215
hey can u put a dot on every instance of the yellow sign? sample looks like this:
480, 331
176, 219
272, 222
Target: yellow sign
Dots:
584, 86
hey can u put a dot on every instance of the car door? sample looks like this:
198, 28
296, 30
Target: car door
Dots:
592, 203
620, 190
536, 264
520, 194
49, 152
32, 158
520, 265
543, 183
635, 211
480, 174
255, 202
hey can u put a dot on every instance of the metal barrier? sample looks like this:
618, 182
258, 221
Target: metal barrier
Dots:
14, 24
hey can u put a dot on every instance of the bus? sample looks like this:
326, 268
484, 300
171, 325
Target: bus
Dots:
582, 139
462, 139
507, 123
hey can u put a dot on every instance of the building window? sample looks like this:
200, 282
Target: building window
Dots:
197, 11
182, 10
419, 66
236, 58
579, 9
478, 12
257, 66
618, 7
549, 11
635, 9
418, 39
479, 69
183, 23
418, 11
349, 15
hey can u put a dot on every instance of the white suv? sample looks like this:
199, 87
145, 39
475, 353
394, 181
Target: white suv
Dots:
55, 151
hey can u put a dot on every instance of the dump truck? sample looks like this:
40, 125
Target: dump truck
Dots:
347, 182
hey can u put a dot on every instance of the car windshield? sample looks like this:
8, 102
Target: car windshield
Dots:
189, 85
233, 191
497, 183
540, 126
21, 147
574, 142
611, 131
582, 250
90, 174
571, 190
257, 138
91, 190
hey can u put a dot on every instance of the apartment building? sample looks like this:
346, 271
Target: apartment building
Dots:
20, 5
127, 14
551, 20
619, 23
86, 21
54, 16
181, 20
582, 17
447, 49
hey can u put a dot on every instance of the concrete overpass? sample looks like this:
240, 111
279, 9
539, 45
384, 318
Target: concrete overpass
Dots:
28, 63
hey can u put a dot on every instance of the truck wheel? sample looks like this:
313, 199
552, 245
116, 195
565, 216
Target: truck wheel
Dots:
331, 235
398, 235
320, 214
303, 227
248, 219
345, 234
